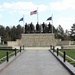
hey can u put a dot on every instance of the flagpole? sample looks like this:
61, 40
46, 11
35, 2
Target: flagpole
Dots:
23, 24
37, 16
52, 23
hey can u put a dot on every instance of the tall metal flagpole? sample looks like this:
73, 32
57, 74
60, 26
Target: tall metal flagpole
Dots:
23, 24
52, 23
37, 16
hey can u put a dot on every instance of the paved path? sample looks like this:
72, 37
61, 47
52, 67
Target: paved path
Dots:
35, 62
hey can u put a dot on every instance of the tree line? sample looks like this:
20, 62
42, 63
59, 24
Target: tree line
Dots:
12, 33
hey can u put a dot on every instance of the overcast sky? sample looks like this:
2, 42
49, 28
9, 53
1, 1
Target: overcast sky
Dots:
63, 12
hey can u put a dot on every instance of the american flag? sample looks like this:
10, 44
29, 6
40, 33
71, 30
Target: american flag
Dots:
33, 12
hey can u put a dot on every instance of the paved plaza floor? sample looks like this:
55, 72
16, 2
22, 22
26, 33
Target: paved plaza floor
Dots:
35, 62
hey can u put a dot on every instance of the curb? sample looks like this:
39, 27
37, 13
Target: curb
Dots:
69, 67
12, 59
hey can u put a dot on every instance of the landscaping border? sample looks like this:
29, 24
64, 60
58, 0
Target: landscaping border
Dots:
68, 66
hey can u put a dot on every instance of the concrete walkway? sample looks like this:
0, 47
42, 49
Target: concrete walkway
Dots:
35, 62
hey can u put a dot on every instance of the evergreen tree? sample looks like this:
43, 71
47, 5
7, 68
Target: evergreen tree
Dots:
8, 33
73, 32
13, 33
67, 35
2, 32
19, 31
60, 33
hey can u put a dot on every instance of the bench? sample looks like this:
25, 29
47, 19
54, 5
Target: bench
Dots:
5, 47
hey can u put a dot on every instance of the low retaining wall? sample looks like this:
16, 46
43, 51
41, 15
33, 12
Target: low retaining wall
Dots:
37, 40
12, 43
40, 40
68, 46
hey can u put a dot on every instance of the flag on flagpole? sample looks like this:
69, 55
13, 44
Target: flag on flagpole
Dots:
33, 12
50, 18
21, 19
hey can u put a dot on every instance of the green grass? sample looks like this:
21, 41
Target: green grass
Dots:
3, 54
70, 53
3, 44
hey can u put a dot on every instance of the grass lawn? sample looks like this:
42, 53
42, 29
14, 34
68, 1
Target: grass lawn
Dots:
3, 44
70, 53
3, 53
